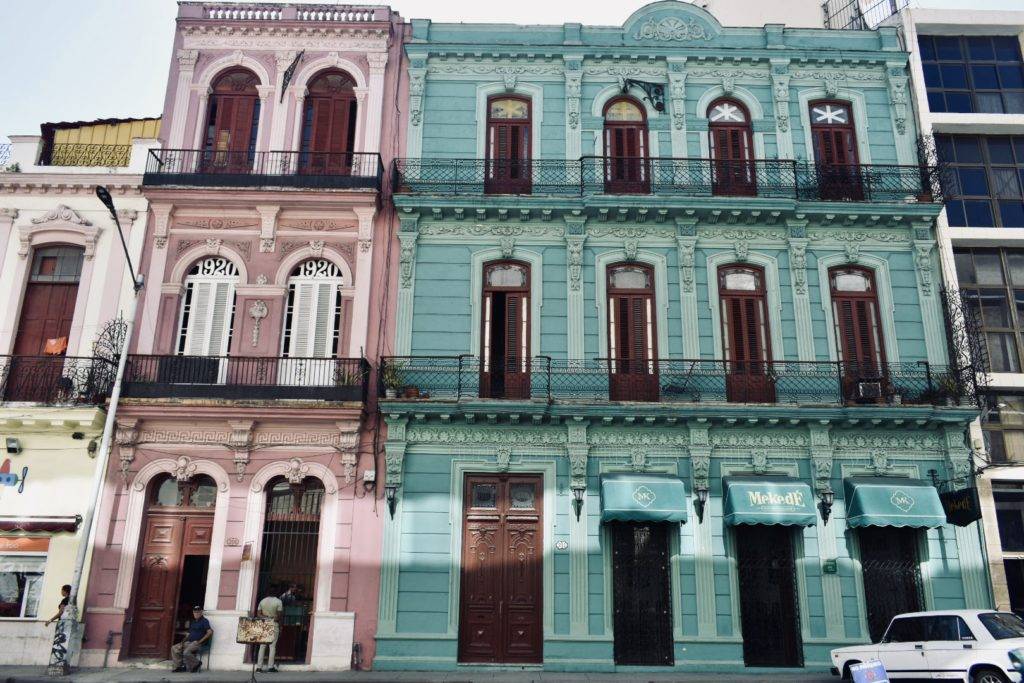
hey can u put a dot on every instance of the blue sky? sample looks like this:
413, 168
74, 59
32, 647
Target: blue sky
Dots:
69, 60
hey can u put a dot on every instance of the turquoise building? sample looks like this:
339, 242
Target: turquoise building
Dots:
671, 385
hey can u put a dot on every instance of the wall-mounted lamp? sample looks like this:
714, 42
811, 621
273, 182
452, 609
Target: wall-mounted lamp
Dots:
13, 445
702, 500
827, 496
577, 500
391, 495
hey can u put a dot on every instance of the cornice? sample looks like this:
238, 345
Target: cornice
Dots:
69, 183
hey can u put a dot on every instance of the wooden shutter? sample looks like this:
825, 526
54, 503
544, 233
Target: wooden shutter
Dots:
745, 326
208, 332
857, 320
313, 320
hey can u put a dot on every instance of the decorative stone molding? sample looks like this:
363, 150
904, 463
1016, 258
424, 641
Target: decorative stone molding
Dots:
759, 462
485, 436
364, 245
161, 223
481, 230
672, 29
406, 258
296, 471
184, 468
577, 455
852, 252
394, 458
780, 95
573, 92
187, 59
821, 455
685, 246
63, 214
880, 463
798, 265
700, 454
503, 456
574, 261
677, 93
742, 250
630, 247
267, 245
897, 81
507, 246
923, 265
85, 234
125, 436
638, 459
417, 82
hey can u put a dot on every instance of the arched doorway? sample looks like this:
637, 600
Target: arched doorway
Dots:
508, 145
174, 561
314, 323
45, 326
625, 147
329, 124
288, 559
505, 337
232, 122
732, 149
834, 137
745, 337
632, 333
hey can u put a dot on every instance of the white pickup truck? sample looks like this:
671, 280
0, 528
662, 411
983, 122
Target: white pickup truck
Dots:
972, 646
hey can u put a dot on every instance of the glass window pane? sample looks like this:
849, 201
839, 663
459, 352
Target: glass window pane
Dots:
995, 310
979, 214
959, 103
1002, 352
851, 282
944, 147
506, 275
964, 266
485, 496
1013, 445
926, 46
994, 445
522, 496
1013, 102
984, 76
955, 75
21, 578
988, 268
623, 111
1011, 76
947, 47
972, 181
942, 628
1005, 182
630, 278
1011, 213
968, 149
1010, 517
936, 101
1007, 48
741, 281
1000, 150
1015, 266
932, 75
955, 213
989, 102
980, 47
509, 108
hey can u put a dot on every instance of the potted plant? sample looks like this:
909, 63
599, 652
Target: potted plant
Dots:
391, 380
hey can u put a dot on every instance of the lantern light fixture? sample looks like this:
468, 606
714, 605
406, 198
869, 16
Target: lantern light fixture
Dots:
701, 502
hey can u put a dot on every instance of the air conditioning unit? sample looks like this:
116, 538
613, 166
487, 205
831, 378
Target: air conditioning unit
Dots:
869, 391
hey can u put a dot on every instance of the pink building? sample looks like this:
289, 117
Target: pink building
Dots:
246, 460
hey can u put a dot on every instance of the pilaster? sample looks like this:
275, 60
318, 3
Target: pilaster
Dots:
179, 114
801, 292
283, 59
927, 291
703, 545
822, 457
677, 104
577, 450
7, 218
374, 102
686, 244
394, 455
780, 102
896, 79
266, 93
364, 272
973, 572
574, 241
573, 92
407, 236
417, 86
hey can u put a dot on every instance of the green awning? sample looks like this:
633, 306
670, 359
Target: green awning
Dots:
892, 501
642, 498
768, 500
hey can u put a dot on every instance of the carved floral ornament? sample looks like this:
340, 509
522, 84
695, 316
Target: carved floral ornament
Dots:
672, 29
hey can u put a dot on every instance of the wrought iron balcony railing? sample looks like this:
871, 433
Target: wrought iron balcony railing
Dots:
80, 154
56, 379
663, 176
671, 381
5, 154
241, 378
859, 14
209, 168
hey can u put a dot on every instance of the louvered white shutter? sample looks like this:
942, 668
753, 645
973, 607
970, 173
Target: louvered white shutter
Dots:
208, 330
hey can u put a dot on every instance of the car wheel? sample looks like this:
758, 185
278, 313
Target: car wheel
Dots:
988, 676
847, 676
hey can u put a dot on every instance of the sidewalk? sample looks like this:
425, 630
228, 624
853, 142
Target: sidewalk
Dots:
25, 674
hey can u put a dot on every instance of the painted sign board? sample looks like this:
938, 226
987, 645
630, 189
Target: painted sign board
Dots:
869, 672
962, 507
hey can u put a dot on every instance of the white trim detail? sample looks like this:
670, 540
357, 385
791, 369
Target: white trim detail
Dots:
476, 283
187, 259
773, 298
329, 61
660, 265
860, 119
135, 514
293, 259
536, 95
740, 94
236, 58
883, 289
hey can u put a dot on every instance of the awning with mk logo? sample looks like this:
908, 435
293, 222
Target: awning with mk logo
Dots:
768, 500
642, 498
892, 501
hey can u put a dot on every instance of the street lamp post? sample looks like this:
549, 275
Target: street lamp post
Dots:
67, 638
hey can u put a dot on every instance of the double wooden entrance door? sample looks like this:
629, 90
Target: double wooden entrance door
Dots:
169, 540
501, 605
642, 594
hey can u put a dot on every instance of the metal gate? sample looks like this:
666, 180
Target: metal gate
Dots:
288, 559
769, 609
642, 594
892, 575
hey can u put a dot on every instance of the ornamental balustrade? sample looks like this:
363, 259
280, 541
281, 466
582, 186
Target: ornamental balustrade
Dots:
56, 379
239, 378
213, 168
671, 381
81, 154
664, 176
264, 12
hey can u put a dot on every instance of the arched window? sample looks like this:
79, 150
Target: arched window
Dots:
232, 122
505, 338
199, 492
835, 150
858, 328
329, 124
509, 131
745, 338
208, 308
632, 333
731, 142
625, 147
288, 558
44, 327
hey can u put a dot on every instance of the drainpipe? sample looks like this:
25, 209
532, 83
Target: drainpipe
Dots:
67, 638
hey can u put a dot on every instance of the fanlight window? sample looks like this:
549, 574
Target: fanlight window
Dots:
830, 114
198, 492
506, 275
851, 281
313, 317
741, 279
629, 277
208, 308
624, 110
510, 108
727, 112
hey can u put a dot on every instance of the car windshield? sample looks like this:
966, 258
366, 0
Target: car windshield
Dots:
1002, 625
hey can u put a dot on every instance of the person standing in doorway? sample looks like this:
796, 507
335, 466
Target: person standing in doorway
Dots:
290, 595
199, 632
270, 607
65, 593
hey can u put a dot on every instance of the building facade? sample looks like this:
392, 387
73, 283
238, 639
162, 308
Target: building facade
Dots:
245, 463
63, 269
671, 381
968, 91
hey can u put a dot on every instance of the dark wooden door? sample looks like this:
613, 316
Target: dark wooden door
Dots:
769, 608
508, 147
892, 575
745, 336
626, 165
156, 590
46, 313
634, 367
501, 600
859, 334
733, 166
329, 125
835, 151
505, 337
231, 125
642, 594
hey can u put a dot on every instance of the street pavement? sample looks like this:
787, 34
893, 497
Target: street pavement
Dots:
37, 674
